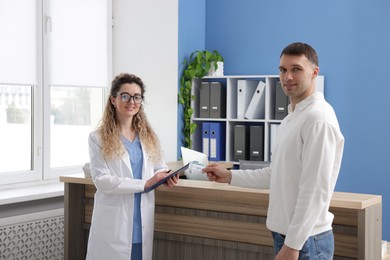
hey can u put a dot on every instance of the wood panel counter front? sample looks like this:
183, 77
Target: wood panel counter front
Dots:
207, 220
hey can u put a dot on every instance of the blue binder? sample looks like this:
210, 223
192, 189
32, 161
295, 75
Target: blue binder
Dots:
217, 142
206, 139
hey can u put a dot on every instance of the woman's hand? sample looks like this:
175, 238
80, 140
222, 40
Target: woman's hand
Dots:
161, 175
172, 181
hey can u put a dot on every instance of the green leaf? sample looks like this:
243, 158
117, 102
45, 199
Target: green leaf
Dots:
181, 99
199, 69
188, 141
192, 74
208, 55
190, 111
199, 57
207, 66
187, 74
192, 128
187, 84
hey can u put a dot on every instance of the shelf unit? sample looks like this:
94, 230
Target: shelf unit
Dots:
230, 119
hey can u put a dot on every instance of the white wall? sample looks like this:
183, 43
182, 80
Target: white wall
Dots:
145, 43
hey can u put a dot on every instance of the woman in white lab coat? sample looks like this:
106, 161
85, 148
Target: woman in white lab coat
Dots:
125, 159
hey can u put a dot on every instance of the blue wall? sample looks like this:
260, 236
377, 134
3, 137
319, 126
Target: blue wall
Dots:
352, 38
192, 36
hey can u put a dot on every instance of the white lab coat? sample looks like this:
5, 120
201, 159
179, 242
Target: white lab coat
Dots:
110, 235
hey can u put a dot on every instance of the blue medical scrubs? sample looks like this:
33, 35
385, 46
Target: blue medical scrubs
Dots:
134, 150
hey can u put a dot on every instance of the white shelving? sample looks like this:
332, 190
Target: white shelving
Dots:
230, 83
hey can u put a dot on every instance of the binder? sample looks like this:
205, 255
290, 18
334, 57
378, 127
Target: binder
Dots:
245, 91
217, 105
256, 107
281, 102
204, 100
217, 141
256, 146
206, 138
240, 143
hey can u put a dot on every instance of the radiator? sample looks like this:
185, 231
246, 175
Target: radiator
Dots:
35, 236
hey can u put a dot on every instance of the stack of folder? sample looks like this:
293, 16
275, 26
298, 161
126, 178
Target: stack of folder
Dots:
248, 142
212, 100
250, 99
213, 140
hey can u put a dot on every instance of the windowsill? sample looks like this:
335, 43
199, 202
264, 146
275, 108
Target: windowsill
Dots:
31, 193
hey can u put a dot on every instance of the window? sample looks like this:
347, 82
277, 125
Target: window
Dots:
72, 115
54, 73
15, 121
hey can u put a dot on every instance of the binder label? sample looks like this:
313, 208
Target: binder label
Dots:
213, 148
206, 146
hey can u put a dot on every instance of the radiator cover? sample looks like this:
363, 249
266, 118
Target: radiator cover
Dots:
35, 239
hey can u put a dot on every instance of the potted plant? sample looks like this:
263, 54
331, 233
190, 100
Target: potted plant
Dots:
197, 66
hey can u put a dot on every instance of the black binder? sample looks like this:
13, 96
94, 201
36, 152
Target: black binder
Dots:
256, 143
281, 102
217, 100
241, 143
204, 100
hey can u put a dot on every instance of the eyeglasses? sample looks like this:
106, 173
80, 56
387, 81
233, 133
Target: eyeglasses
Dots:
126, 97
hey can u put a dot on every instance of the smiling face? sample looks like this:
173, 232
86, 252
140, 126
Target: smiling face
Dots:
125, 110
298, 77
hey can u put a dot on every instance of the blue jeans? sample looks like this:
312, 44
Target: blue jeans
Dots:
320, 246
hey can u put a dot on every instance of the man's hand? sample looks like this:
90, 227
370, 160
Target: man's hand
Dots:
287, 253
218, 173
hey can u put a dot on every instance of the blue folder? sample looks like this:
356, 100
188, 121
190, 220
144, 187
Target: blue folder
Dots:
217, 141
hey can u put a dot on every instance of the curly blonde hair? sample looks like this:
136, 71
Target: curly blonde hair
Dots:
109, 130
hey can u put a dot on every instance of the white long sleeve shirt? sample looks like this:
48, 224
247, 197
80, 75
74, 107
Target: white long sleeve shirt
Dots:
305, 165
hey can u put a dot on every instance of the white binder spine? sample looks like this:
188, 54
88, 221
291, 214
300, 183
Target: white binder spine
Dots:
256, 107
245, 91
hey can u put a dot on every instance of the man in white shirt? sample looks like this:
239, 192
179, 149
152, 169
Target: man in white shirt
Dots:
305, 164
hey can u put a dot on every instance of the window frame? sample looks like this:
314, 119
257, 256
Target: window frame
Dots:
41, 109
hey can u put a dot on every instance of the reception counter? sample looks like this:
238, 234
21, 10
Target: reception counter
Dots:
207, 220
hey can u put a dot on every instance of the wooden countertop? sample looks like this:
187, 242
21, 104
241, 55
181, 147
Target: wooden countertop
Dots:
339, 200
78, 178
81, 179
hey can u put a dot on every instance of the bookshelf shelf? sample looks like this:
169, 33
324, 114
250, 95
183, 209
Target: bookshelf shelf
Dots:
230, 118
